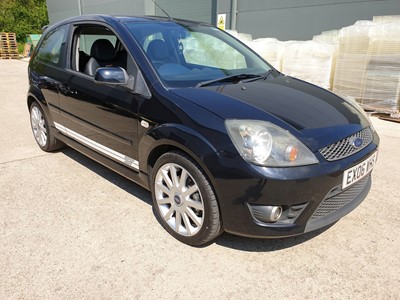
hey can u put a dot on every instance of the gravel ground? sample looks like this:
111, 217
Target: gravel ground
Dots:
70, 228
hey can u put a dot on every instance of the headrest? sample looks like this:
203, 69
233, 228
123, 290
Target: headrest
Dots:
157, 50
102, 50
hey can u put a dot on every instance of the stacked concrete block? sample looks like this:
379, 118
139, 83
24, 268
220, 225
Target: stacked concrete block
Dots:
311, 61
330, 36
381, 90
270, 49
352, 59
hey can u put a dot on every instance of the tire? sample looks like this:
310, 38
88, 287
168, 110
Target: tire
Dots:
41, 130
184, 200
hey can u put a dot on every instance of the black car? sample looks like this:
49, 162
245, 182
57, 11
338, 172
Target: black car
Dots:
223, 141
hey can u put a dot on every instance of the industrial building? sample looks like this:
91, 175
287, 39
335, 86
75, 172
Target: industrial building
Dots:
282, 19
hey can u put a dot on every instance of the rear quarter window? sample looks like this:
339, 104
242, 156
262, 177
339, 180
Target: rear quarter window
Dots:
50, 50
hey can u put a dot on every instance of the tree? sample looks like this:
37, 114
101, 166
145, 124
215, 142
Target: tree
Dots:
23, 17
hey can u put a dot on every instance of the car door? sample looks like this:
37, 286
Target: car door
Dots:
46, 68
101, 117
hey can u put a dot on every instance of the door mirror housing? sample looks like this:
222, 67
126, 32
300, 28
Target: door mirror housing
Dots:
111, 76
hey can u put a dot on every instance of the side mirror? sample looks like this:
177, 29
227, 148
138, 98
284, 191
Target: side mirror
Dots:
111, 76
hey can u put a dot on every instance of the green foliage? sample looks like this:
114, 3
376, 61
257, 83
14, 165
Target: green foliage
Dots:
23, 17
21, 47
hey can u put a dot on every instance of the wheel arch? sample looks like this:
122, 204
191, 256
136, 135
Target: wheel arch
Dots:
176, 137
30, 100
35, 94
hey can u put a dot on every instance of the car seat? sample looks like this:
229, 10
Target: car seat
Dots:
102, 55
159, 53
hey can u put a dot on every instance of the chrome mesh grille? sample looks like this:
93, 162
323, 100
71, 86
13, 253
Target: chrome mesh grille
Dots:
332, 204
344, 148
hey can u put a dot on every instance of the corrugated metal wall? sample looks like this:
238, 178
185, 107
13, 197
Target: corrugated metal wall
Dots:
197, 10
61, 9
301, 19
283, 19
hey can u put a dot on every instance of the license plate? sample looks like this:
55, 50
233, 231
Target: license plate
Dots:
359, 171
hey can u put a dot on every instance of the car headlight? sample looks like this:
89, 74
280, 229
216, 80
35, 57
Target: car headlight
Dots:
263, 143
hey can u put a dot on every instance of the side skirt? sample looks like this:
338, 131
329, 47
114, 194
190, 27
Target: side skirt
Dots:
137, 177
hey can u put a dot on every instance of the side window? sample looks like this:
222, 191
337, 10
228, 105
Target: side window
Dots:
86, 41
50, 49
97, 46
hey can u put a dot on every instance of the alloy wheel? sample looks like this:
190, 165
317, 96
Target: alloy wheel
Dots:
38, 124
179, 199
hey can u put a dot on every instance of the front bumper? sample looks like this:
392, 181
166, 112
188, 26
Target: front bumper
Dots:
311, 196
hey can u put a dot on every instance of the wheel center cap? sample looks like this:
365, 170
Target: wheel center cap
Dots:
178, 200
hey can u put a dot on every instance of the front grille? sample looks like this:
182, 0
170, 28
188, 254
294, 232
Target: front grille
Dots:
345, 148
332, 204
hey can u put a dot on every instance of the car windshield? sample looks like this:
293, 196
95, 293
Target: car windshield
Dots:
186, 55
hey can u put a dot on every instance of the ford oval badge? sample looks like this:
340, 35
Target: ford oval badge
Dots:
356, 142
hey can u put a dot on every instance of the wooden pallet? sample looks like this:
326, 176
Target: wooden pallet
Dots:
387, 118
7, 36
8, 46
9, 56
8, 42
8, 52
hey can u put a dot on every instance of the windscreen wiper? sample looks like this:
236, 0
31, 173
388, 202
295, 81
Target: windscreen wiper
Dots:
231, 78
263, 76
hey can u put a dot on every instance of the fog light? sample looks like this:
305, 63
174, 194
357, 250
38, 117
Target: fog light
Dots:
266, 214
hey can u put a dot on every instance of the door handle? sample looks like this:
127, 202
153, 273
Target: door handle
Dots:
65, 90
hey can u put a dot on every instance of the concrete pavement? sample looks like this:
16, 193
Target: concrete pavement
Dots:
70, 228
